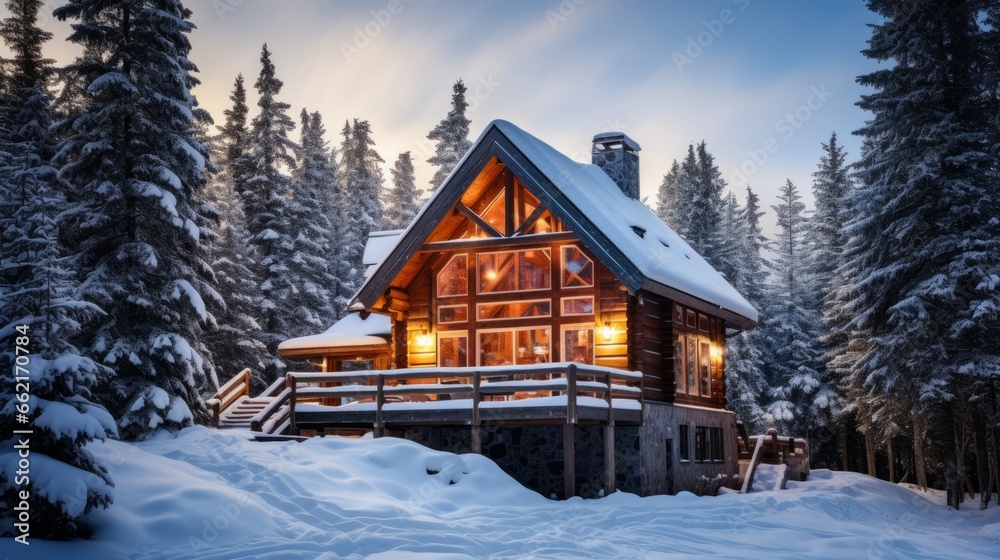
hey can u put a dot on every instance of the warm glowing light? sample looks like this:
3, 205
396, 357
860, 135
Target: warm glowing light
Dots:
425, 340
606, 331
716, 352
491, 275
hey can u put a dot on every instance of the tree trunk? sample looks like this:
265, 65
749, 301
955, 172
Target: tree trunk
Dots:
919, 465
982, 460
946, 423
844, 464
892, 460
870, 452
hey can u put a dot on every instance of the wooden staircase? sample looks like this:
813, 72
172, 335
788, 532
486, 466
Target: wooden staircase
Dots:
233, 408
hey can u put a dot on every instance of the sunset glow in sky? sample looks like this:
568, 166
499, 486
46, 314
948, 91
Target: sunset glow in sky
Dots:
762, 82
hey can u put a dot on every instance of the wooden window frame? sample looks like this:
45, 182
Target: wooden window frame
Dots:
441, 335
517, 288
513, 331
441, 321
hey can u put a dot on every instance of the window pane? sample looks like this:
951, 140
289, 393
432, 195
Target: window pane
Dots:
496, 348
496, 272
578, 269
495, 213
453, 280
533, 346
680, 372
684, 441
453, 313
535, 270
692, 366
578, 345
705, 366
514, 310
703, 323
578, 306
453, 351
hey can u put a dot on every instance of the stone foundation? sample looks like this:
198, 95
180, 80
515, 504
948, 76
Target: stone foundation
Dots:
647, 457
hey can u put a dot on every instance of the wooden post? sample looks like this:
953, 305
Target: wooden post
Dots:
477, 435
571, 394
569, 460
246, 382
609, 443
290, 381
379, 401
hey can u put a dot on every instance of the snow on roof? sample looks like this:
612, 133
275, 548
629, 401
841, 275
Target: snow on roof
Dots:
659, 253
352, 330
377, 247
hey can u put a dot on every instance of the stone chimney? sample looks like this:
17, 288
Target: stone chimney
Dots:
618, 156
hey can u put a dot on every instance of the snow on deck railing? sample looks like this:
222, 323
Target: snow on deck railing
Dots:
509, 382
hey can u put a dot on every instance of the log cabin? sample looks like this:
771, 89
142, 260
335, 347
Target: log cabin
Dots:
537, 312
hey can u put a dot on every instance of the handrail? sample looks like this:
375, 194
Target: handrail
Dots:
229, 393
754, 461
260, 419
567, 378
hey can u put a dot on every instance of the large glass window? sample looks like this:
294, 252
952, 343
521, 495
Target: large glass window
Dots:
692, 366
453, 349
578, 343
577, 268
453, 279
704, 355
514, 346
512, 271
514, 309
495, 214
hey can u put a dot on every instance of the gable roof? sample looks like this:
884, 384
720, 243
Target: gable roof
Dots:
642, 251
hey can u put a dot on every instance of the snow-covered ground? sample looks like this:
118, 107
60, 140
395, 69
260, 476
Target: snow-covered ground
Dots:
209, 494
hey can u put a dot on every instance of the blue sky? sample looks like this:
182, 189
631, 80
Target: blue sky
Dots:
762, 82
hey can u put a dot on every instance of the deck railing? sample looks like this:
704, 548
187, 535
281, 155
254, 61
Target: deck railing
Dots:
478, 384
229, 393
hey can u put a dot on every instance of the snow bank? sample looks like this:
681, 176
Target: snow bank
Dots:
213, 494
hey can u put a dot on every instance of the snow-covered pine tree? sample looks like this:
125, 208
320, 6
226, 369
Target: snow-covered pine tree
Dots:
316, 280
667, 198
923, 251
42, 314
235, 341
452, 137
825, 242
266, 195
745, 363
135, 166
403, 201
792, 324
362, 184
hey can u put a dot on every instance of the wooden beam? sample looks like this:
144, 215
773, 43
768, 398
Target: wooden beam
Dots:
494, 242
477, 434
509, 199
609, 459
479, 221
530, 220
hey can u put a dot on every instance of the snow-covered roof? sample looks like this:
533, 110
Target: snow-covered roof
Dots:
659, 253
352, 330
377, 247
589, 198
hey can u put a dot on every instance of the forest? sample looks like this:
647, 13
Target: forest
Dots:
149, 250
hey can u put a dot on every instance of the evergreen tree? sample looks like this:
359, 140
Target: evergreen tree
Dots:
266, 195
403, 201
923, 250
792, 374
135, 167
668, 199
362, 185
235, 341
315, 279
42, 314
452, 137
745, 362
